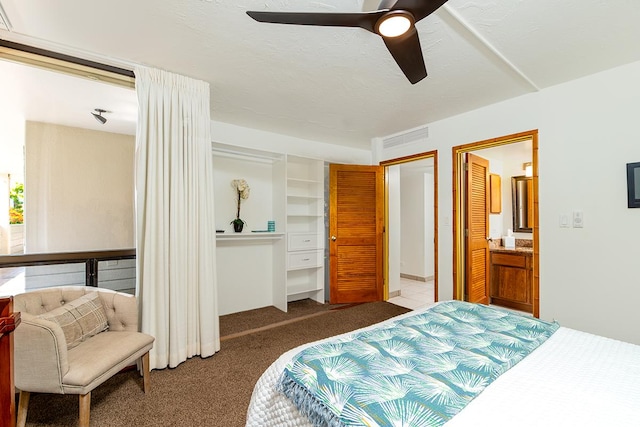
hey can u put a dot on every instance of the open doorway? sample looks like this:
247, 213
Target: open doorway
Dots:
474, 265
411, 230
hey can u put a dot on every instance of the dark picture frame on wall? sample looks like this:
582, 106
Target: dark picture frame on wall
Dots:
633, 184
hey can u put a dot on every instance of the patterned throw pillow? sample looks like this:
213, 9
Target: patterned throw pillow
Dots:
79, 319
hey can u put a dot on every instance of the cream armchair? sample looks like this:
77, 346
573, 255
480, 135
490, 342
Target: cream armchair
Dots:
50, 356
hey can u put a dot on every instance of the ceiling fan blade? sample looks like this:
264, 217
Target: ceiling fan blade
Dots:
407, 52
419, 8
366, 20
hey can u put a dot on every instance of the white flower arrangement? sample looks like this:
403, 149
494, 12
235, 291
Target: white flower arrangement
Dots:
241, 187
242, 190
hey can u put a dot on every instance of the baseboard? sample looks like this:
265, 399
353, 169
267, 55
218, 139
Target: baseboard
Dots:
394, 294
416, 278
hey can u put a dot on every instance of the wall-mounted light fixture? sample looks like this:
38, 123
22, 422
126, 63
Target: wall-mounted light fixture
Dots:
528, 169
98, 115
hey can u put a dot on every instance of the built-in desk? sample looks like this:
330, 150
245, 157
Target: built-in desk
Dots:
248, 236
251, 271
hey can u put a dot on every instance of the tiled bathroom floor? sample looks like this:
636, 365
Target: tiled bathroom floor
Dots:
414, 294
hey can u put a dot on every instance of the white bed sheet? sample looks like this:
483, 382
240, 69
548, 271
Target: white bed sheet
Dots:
573, 379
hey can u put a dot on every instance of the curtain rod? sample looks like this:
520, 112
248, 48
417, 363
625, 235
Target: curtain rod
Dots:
66, 63
66, 58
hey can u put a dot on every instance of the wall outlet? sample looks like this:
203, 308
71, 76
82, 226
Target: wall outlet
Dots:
578, 219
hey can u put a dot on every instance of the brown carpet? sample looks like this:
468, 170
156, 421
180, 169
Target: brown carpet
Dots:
205, 392
246, 321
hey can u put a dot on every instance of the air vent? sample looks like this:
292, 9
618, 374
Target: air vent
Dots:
4, 21
419, 134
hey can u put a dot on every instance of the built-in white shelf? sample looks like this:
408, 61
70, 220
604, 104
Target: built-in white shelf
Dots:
286, 265
302, 289
250, 236
305, 228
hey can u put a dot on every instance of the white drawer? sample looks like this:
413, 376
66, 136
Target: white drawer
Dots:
307, 259
304, 241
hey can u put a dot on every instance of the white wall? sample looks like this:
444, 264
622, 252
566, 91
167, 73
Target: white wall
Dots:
255, 210
587, 133
412, 210
78, 189
412, 214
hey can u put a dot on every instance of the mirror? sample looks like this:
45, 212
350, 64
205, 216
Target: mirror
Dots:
522, 204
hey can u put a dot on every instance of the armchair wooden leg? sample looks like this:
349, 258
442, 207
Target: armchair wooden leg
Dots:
85, 409
23, 406
145, 372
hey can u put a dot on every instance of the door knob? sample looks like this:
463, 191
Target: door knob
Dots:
333, 238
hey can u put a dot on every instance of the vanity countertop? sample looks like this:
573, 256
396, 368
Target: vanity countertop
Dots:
518, 249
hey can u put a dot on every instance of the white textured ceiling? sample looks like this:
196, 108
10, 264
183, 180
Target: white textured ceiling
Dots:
338, 85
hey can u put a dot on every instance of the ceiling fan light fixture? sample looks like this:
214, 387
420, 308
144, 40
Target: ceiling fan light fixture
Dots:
394, 23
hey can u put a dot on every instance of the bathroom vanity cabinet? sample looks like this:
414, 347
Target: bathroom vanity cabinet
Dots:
511, 279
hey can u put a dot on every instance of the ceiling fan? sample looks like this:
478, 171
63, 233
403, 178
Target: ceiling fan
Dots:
394, 21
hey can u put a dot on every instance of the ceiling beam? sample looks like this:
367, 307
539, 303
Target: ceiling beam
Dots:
469, 33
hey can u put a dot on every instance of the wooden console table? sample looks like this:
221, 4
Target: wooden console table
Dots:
8, 323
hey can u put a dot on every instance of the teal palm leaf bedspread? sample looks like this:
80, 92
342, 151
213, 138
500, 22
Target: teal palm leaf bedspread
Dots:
417, 371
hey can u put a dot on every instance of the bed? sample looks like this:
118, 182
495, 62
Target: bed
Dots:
454, 364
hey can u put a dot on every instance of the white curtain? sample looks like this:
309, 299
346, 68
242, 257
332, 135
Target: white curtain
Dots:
175, 230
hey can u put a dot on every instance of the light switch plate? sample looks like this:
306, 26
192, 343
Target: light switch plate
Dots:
564, 220
578, 219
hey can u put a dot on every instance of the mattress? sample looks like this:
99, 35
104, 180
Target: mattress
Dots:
573, 378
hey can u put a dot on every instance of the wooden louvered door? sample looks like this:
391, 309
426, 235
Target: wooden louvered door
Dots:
477, 230
356, 221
